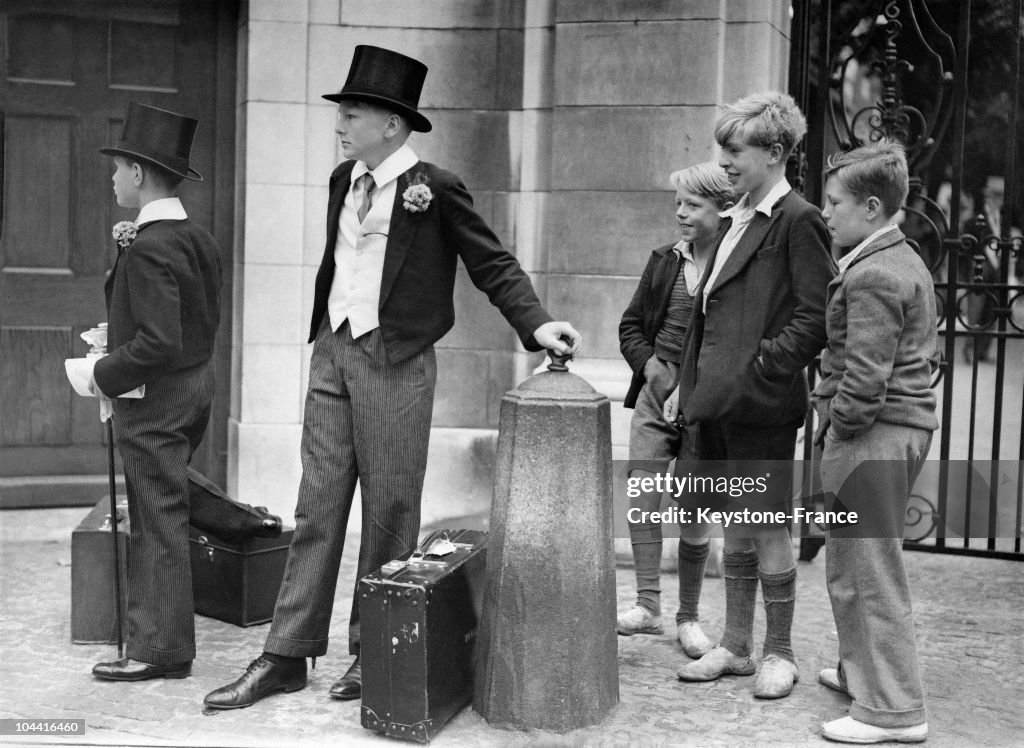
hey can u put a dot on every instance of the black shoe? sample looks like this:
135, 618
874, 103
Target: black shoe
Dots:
350, 686
260, 679
132, 670
271, 525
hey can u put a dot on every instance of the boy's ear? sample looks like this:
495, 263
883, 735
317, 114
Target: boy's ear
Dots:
775, 153
873, 207
728, 204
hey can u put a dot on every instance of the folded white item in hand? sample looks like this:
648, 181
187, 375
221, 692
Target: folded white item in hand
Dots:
79, 372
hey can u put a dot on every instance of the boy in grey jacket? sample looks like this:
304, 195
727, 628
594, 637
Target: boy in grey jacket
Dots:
877, 414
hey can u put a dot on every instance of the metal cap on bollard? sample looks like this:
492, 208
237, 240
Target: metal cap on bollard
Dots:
548, 656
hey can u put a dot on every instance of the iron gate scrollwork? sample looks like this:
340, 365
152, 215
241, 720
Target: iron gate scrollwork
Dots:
944, 78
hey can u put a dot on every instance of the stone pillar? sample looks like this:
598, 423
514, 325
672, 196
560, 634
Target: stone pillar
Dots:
548, 653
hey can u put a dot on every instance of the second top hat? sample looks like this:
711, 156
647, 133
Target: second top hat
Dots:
386, 78
158, 136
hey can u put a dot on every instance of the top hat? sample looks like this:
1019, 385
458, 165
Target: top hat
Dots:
158, 136
388, 79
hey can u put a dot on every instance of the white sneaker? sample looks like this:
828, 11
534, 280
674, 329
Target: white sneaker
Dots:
694, 641
716, 663
638, 620
830, 677
850, 730
776, 678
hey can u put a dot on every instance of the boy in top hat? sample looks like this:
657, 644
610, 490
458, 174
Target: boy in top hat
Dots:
759, 320
877, 414
163, 306
395, 228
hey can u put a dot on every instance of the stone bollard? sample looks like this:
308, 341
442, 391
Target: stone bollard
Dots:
548, 656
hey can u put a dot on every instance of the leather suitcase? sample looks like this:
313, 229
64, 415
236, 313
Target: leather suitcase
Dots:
92, 567
418, 620
237, 582
233, 582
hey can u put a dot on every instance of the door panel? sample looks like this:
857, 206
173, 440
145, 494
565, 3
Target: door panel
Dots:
70, 71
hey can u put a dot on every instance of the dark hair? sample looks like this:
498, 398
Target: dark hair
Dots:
878, 170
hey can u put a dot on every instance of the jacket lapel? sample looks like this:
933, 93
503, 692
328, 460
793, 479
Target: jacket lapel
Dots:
886, 240
401, 232
334, 205
748, 244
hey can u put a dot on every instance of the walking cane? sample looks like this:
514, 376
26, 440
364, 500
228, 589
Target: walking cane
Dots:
97, 338
113, 535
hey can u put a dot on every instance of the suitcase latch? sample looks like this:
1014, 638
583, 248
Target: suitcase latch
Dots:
203, 541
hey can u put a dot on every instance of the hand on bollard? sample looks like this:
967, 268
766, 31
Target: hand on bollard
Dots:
551, 336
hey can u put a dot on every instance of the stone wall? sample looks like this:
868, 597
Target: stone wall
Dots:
563, 118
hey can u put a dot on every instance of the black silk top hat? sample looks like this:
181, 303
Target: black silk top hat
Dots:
388, 79
158, 136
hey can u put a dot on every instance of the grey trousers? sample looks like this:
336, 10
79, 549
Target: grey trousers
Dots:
365, 420
873, 474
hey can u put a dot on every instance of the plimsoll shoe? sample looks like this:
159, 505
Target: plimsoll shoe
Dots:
133, 670
830, 677
716, 663
260, 679
638, 620
693, 640
776, 678
350, 685
850, 730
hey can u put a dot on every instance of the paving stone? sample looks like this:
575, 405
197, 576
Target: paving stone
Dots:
967, 611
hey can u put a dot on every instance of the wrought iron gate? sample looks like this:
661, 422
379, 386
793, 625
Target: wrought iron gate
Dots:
943, 77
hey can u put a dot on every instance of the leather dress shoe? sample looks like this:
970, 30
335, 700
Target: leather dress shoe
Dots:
271, 526
260, 679
350, 685
126, 669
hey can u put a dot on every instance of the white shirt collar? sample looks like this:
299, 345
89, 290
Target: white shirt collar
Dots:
846, 260
684, 248
776, 193
390, 168
164, 209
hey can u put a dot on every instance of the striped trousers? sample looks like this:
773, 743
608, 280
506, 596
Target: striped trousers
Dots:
365, 420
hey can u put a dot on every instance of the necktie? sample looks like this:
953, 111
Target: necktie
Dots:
368, 186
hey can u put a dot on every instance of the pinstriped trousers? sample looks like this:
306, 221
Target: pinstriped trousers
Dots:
156, 436
365, 420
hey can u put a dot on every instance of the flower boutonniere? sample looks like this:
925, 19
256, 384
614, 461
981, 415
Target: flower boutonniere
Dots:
125, 233
417, 196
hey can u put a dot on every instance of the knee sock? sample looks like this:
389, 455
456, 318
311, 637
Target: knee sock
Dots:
692, 560
779, 593
280, 659
740, 570
647, 559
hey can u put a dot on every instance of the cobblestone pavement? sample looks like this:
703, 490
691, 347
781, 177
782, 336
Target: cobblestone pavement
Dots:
968, 613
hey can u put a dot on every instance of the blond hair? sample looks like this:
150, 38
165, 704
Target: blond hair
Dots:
763, 119
707, 180
878, 170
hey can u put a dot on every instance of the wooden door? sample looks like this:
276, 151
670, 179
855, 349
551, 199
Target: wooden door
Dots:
70, 70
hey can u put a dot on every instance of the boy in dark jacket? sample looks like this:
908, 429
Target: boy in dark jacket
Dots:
650, 338
759, 320
163, 307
